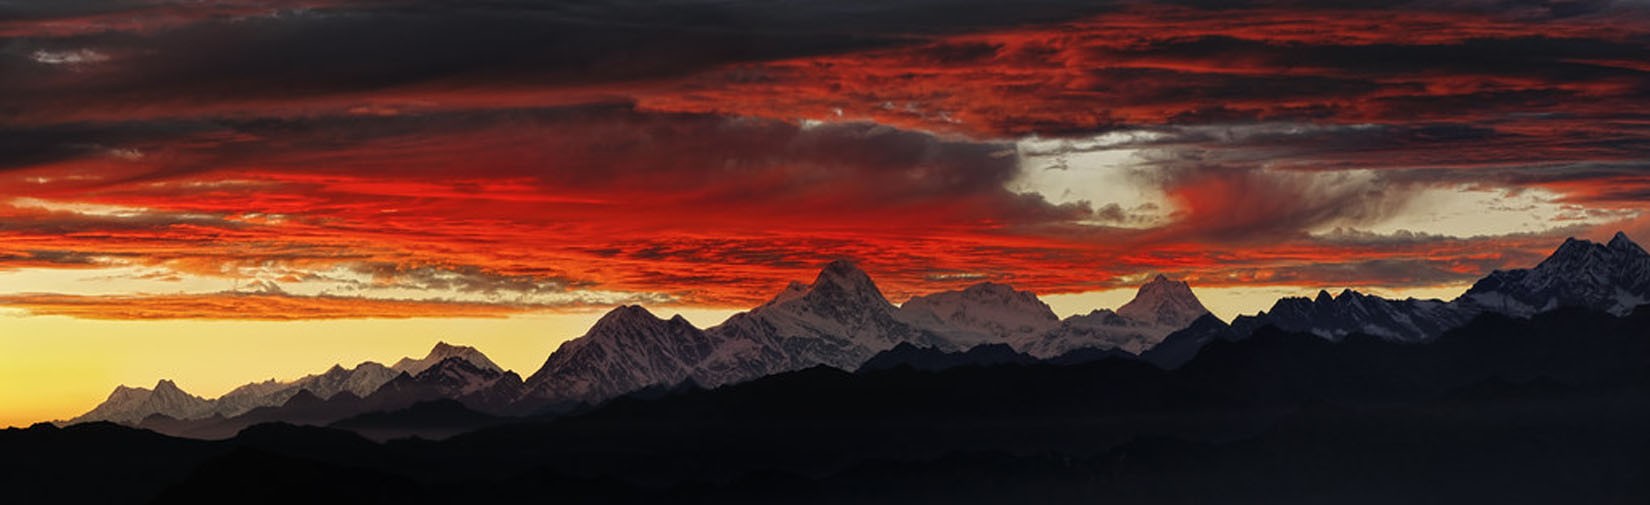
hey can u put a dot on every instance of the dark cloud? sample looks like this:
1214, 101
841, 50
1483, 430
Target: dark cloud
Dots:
292, 52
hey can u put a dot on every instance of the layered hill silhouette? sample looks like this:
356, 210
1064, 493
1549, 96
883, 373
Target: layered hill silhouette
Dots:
1504, 409
841, 320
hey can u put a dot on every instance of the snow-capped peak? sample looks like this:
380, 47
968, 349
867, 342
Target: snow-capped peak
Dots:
1614, 277
442, 351
624, 318
1164, 302
842, 280
983, 313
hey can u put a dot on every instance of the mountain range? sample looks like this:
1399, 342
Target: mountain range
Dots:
1504, 409
842, 320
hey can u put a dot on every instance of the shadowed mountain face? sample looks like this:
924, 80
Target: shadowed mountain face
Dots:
134, 405
455, 379
1335, 317
1543, 410
1612, 277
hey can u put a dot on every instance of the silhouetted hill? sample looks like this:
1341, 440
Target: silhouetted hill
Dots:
928, 359
96, 462
434, 419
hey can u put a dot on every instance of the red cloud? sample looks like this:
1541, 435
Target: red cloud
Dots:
709, 189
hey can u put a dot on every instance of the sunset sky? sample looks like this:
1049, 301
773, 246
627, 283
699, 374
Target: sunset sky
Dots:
219, 192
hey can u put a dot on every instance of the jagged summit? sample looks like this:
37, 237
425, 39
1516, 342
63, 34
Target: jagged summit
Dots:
1335, 316
1165, 302
1613, 277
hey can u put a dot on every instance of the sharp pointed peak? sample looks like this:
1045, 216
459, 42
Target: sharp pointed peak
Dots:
1324, 297
443, 349
165, 384
627, 313
1163, 282
1622, 242
842, 272
841, 266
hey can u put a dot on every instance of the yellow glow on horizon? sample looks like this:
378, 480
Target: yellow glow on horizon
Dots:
55, 368
1229, 302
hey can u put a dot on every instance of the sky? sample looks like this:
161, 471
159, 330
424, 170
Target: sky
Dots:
219, 192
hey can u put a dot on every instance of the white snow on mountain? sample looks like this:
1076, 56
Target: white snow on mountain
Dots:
131, 405
1613, 277
628, 349
1159, 308
441, 352
981, 314
841, 319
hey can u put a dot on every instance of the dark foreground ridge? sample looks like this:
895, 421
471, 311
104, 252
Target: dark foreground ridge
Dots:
1502, 410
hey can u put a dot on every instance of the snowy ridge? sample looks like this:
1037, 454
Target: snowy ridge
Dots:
627, 349
1613, 277
441, 352
1335, 317
1159, 308
131, 405
981, 314
841, 320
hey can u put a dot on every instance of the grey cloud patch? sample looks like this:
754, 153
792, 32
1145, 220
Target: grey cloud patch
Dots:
466, 279
367, 46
